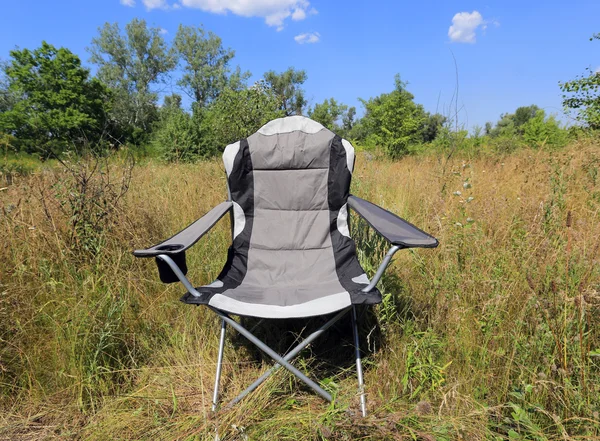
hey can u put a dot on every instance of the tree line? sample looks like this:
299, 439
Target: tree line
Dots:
51, 104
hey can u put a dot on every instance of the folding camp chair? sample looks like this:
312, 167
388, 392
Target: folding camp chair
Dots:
291, 253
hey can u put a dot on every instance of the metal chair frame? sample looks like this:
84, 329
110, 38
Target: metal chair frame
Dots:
284, 361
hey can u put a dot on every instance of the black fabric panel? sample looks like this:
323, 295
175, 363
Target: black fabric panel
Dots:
344, 248
338, 183
241, 187
395, 229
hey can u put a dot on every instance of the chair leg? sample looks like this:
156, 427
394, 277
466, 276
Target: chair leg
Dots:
271, 353
219, 365
289, 356
359, 371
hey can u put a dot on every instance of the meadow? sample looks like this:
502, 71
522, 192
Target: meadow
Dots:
494, 335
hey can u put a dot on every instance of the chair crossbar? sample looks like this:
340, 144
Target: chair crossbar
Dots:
280, 361
289, 356
271, 353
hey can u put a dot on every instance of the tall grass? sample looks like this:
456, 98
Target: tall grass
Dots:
494, 335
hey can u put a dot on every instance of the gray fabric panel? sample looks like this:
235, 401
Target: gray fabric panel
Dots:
289, 268
291, 189
190, 235
395, 229
283, 296
297, 150
290, 230
320, 306
290, 260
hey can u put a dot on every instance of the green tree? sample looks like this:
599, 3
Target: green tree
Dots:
236, 114
328, 113
172, 102
287, 88
348, 119
512, 124
206, 65
523, 114
393, 120
59, 106
582, 96
177, 135
432, 125
541, 131
130, 64
7, 96
505, 126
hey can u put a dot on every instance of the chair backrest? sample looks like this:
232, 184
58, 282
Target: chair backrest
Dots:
289, 183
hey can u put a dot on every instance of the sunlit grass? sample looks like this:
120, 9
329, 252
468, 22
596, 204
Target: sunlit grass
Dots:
493, 335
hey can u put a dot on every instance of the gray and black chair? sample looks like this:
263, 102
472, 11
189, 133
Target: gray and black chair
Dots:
291, 253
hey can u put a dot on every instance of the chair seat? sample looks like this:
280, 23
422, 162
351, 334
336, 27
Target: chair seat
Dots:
283, 301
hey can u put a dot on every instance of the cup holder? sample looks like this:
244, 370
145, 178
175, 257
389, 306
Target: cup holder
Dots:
164, 270
169, 247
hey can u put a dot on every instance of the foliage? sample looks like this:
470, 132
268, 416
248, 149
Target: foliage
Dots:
433, 124
393, 120
448, 140
287, 87
512, 124
59, 108
177, 134
329, 114
582, 96
540, 131
206, 65
237, 114
12, 168
204, 133
349, 119
7, 96
131, 63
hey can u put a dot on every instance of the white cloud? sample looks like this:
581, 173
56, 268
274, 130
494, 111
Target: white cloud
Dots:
130, 3
163, 31
154, 4
309, 37
464, 25
275, 12
597, 69
299, 14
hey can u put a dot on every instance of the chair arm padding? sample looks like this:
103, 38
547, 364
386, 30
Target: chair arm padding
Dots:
396, 230
188, 236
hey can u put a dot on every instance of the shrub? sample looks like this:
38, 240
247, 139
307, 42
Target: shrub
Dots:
540, 131
178, 136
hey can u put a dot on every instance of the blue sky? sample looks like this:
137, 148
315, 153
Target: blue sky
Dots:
509, 53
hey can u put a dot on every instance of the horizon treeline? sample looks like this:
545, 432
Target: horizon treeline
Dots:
50, 104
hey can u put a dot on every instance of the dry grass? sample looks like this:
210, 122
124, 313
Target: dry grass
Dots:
494, 335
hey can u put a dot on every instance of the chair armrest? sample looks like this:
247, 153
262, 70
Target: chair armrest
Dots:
188, 236
396, 230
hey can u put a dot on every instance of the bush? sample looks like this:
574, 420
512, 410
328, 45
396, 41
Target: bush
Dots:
394, 121
177, 136
237, 114
540, 131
